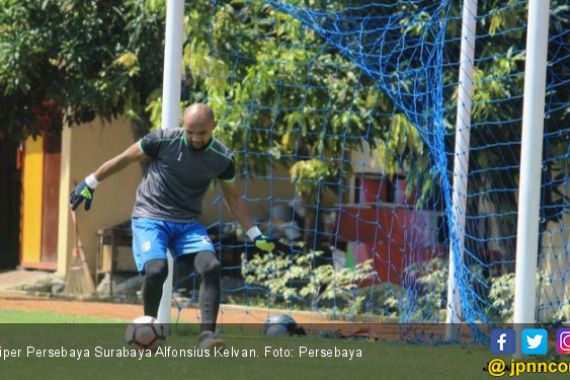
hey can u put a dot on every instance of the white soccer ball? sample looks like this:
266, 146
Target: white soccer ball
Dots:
145, 332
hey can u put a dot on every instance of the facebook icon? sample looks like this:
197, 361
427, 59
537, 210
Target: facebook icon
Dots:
503, 342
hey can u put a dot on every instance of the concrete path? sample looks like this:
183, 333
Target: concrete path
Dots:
19, 278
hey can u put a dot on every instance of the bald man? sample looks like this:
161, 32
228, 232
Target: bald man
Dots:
183, 161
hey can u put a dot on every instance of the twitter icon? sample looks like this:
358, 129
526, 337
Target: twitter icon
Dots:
534, 341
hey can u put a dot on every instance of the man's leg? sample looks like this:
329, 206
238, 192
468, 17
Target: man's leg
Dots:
194, 238
150, 240
208, 267
155, 274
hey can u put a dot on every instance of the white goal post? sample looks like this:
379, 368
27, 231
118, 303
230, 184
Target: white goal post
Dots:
531, 161
172, 79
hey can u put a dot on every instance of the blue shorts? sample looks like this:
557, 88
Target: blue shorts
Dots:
152, 237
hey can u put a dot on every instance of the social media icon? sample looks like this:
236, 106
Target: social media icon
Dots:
534, 341
503, 341
563, 341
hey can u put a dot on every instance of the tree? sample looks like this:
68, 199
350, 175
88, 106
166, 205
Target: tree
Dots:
88, 58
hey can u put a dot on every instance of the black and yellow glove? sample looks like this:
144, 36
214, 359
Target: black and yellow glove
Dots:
265, 243
82, 192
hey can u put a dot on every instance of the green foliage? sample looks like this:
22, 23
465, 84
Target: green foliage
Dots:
429, 300
383, 299
401, 151
502, 297
402, 139
562, 314
307, 174
296, 278
88, 57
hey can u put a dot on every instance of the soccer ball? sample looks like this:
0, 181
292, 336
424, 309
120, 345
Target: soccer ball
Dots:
145, 332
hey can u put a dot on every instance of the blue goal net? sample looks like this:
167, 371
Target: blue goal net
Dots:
342, 117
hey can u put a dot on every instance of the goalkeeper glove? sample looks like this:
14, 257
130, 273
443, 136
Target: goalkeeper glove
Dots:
83, 192
264, 243
261, 242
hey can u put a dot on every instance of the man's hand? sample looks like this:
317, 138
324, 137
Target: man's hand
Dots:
265, 243
79, 194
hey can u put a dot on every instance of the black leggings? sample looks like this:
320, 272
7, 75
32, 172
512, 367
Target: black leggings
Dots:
207, 266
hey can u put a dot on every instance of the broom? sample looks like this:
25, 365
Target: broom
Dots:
78, 281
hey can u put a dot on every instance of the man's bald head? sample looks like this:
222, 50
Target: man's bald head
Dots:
200, 113
199, 123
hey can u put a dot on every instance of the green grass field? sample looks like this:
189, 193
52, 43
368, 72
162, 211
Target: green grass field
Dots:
380, 360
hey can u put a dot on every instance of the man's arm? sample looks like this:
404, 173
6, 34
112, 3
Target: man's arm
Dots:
85, 190
239, 210
236, 204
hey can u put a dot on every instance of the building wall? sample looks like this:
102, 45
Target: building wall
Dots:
257, 193
84, 148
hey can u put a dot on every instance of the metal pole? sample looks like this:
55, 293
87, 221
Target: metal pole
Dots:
461, 162
171, 111
531, 161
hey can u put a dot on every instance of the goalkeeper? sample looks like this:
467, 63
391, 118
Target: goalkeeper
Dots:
183, 161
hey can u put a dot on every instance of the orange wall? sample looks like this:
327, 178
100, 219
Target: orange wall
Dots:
32, 185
